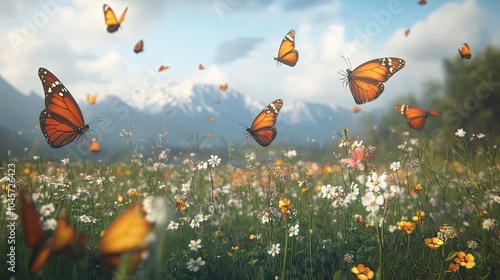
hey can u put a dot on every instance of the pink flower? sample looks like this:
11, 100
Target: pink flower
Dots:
357, 156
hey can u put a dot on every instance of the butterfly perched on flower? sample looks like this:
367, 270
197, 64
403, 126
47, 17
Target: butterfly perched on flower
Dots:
366, 81
262, 129
415, 117
287, 54
112, 22
61, 121
465, 52
139, 47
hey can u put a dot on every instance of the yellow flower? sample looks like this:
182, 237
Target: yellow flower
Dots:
180, 205
466, 260
407, 226
279, 161
416, 188
433, 242
284, 205
362, 272
482, 212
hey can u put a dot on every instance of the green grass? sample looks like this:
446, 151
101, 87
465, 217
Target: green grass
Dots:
459, 189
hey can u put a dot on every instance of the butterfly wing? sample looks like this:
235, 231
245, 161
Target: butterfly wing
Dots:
139, 47
263, 130
465, 52
366, 81
287, 53
62, 121
110, 18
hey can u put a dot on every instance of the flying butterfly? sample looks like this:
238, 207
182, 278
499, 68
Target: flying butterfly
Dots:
92, 98
407, 32
262, 129
223, 87
422, 2
212, 118
415, 117
110, 18
129, 234
287, 53
465, 52
201, 67
366, 81
94, 147
62, 121
64, 237
163, 68
139, 47
355, 109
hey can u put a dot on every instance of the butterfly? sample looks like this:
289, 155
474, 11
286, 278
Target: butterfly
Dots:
366, 81
212, 118
94, 147
129, 234
262, 129
210, 134
422, 2
201, 67
110, 18
92, 98
223, 87
287, 53
139, 47
465, 52
62, 121
64, 237
355, 109
163, 68
407, 32
415, 117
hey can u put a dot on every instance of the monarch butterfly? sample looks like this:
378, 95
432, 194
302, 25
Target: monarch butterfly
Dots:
223, 87
62, 121
415, 117
262, 129
422, 2
139, 47
407, 32
163, 68
356, 109
128, 233
212, 118
94, 146
92, 98
366, 81
201, 67
64, 237
287, 53
465, 52
110, 18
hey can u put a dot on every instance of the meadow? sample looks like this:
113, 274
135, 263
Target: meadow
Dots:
431, 214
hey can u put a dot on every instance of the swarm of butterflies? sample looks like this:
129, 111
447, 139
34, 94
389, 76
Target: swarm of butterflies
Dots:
62, 122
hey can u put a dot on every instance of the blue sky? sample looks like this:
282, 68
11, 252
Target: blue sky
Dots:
235, 40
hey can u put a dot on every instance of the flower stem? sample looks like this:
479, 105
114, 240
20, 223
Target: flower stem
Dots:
285, 255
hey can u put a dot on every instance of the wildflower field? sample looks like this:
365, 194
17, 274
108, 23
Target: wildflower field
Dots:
431, 214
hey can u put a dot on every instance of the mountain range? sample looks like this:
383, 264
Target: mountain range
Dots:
201, 116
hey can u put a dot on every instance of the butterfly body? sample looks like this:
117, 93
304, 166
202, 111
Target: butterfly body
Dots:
262, 129
366, 81
112, 22
287, 54
415, 117
61, 121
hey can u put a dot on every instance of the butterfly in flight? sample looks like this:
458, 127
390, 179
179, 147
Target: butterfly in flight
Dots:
407, 32
263, 130
92, 98
422, 2
94, 147
139, 47
465, 52
110, 18
287, 53
129, 234
201, 67
366, 81
415, 117
223, 87
163, 68
61, 121
64, 237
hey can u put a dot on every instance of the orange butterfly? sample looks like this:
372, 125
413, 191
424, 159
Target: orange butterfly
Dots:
212, 118
223, 87
163, 68
94, 146
366, 81
92, 98
201, 67
62, 121
210, 134
422, 2
356, 109
110, 18
415, 117
407, 32
465, 52
64, 237
287, 53
263, 130
129, 234
139, 47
